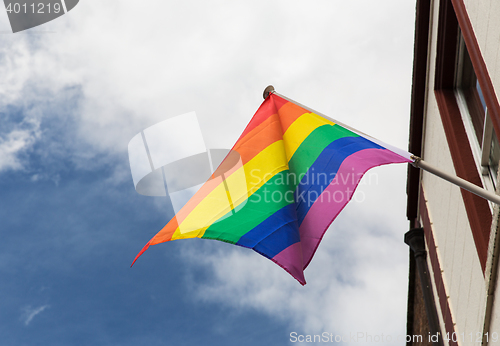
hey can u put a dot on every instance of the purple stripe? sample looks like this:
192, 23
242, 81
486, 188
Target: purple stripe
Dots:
290, 259
335, 197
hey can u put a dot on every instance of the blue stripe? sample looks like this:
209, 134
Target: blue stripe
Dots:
324, 169
274, 234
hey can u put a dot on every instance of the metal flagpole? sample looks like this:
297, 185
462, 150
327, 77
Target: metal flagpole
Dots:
464, 184
417, 161
270, 90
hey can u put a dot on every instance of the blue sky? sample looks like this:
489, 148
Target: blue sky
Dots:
76, 90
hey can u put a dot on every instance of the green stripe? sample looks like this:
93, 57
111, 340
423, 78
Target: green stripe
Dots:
312, 147
260, 205
268, 199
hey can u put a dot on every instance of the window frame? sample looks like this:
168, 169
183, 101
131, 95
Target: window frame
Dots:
452, 16
475, 115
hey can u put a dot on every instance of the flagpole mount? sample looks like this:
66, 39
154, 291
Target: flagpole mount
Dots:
267, 91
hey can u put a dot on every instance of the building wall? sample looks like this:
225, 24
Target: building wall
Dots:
463, 278
417, 319
461, 271
493, 310
485, 19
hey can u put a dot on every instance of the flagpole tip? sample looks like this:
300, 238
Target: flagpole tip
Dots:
268, 91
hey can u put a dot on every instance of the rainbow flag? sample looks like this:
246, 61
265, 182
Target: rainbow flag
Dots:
285, 180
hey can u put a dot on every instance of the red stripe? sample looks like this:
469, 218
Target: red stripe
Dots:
270, 106
140, 253
288, 112
265, 128
256, 140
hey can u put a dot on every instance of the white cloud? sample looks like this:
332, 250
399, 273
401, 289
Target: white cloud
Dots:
357, 281
14, 144
134, 66
30, 313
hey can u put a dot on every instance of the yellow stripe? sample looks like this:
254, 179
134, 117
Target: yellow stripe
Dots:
241, 184
298, 131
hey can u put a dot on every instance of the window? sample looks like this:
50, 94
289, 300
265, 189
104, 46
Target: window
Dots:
484, 142
464, 122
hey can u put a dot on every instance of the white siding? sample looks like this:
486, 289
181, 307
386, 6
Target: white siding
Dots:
495, 315
436, 297
462, 274
485, 19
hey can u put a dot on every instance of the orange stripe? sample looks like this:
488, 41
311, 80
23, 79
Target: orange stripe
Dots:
265, 134
268, 132
289, 113
248, 147
270, 106
266, 109
252, 142
165, 233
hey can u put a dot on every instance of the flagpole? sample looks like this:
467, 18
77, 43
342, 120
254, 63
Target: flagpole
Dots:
417, 161
464, 184
270, 90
